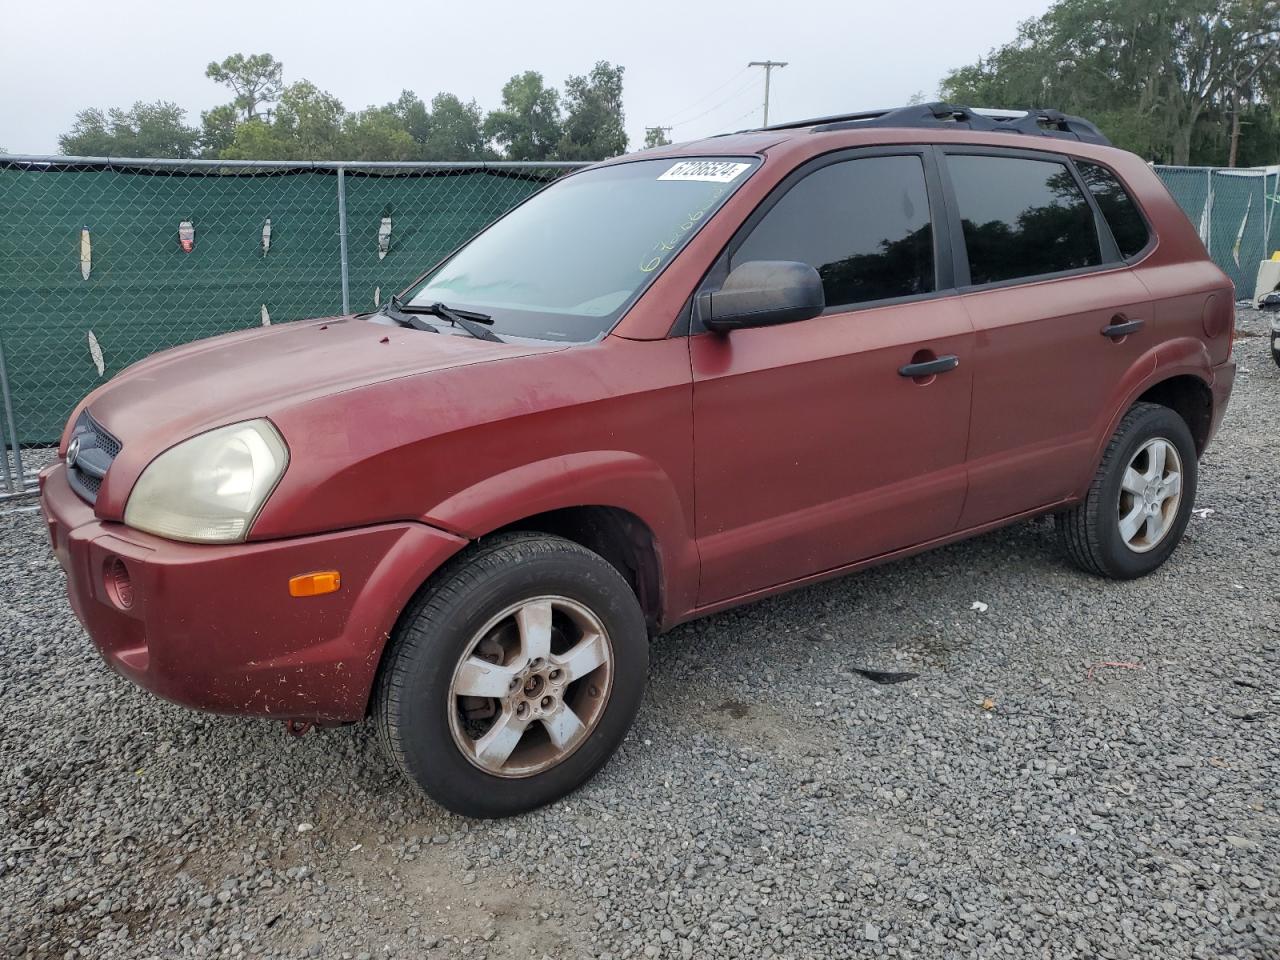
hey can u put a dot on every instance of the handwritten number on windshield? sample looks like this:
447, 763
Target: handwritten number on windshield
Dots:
662, 248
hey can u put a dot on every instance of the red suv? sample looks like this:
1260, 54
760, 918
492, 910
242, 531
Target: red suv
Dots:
667, 384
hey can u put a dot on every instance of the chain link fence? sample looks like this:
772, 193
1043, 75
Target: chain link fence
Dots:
103, 262
1233, 210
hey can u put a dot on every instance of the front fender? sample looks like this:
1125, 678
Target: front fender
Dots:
600, 478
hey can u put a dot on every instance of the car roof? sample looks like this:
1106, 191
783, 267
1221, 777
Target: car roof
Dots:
1039, 129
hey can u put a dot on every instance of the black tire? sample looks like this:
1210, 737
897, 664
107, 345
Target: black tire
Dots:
412, 700
1275, 349
1090, 533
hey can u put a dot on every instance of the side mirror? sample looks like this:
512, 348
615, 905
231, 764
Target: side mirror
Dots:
1270, 301
761, 293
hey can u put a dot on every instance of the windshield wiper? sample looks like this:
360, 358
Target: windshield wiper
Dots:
395, 310
468, 321
409, 315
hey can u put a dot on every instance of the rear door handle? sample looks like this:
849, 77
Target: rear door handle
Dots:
929, 367
1120, 327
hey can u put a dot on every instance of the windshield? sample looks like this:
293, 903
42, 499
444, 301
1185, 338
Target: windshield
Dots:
568, 263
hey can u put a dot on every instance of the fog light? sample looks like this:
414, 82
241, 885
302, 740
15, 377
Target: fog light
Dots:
314, 584
118, 583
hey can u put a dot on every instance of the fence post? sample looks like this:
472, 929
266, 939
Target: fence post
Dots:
342, 237
12, 430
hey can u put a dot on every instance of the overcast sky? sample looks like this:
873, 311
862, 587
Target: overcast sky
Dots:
685, 62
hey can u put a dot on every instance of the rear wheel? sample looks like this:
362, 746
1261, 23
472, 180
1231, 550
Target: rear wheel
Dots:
514, 676
1140, 500
1275, 348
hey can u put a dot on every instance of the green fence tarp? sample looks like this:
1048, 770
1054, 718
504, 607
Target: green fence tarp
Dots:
144, 293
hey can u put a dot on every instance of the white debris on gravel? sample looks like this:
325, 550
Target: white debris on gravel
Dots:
772, 802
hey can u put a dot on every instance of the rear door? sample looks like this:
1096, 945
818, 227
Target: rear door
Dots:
811, 450
1042, 278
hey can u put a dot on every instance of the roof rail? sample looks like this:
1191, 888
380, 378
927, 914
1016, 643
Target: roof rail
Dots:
1035, 122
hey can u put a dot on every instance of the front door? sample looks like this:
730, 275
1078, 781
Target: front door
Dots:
811, 449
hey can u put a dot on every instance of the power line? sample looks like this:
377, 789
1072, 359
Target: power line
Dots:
769, 66
741, 116
711, 93
729, 99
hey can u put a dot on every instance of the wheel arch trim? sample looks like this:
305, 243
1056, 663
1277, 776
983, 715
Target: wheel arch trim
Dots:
1185, 356
613, 479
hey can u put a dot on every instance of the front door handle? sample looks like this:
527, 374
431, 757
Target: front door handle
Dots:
930, 367
1120, 327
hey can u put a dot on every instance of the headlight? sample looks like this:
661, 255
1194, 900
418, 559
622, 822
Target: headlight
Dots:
209, 489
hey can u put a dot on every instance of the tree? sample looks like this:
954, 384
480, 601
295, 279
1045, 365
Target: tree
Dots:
594, 125
1150, 72
656, 137
308, 125
455, 130
219, 129
376, 134
310, 119
144, 130
1251, 45
256, 80
258, 140
412, 114
527, 126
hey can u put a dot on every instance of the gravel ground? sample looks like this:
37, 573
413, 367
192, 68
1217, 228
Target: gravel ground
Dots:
771, 800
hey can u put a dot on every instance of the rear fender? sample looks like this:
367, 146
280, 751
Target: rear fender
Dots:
1172, 358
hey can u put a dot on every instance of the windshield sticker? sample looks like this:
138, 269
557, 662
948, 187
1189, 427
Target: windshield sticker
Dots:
708, 171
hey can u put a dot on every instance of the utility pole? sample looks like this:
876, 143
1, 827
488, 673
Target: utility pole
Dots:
768, 73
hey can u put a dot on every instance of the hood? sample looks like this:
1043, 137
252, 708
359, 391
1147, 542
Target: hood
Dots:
181, 392
248, 374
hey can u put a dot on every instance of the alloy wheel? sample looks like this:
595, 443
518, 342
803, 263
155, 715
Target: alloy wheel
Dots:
531, 686
1150, 493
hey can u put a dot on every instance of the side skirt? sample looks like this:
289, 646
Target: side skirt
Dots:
875, 561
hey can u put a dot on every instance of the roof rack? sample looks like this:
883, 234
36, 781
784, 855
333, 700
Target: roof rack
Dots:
1036, 122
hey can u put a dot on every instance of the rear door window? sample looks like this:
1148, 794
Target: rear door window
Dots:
1118, 208
1022, 218
862, 224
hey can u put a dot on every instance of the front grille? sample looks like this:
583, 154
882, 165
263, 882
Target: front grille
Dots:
94, 451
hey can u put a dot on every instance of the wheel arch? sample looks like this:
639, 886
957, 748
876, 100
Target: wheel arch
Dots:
1176, 374
620, 504
1189, 396
617, 535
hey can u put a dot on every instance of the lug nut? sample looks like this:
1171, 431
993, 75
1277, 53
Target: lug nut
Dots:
555, 675
522, 710
547, 702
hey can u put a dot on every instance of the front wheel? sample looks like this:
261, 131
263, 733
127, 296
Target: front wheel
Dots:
514, 676
1140, 500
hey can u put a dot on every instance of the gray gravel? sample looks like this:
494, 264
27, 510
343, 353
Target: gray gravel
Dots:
771, 800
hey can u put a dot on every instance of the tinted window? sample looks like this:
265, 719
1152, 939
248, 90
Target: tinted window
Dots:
863, 224
1022, 218
1117, 207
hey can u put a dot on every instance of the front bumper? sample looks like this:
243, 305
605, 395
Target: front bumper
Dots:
214, 627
